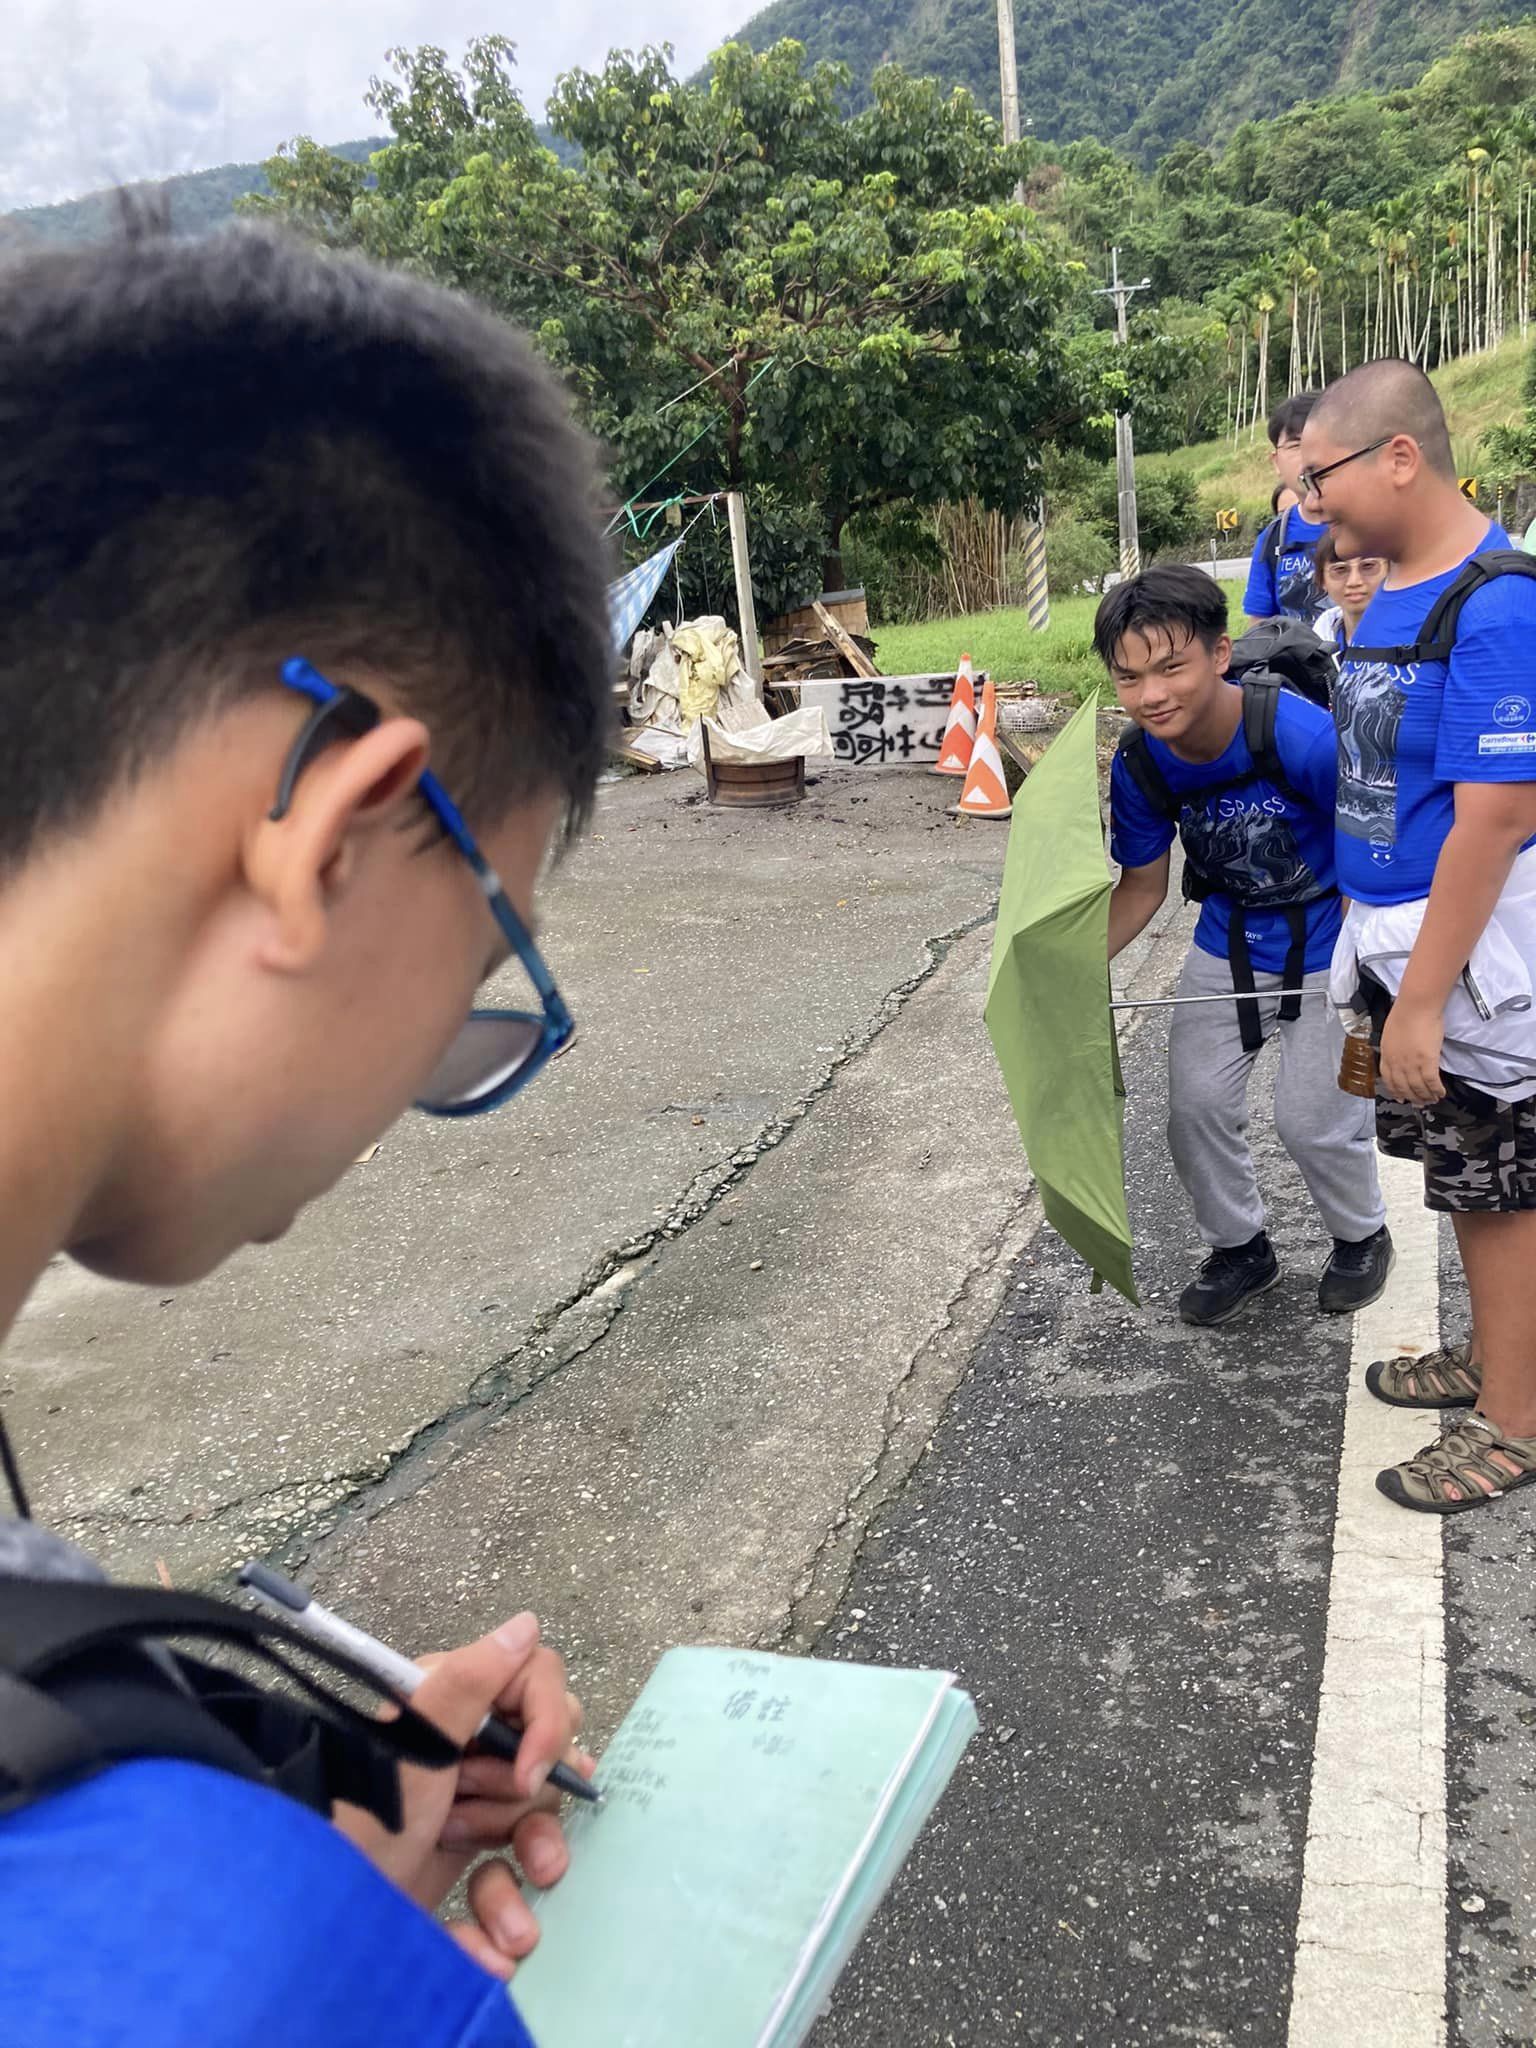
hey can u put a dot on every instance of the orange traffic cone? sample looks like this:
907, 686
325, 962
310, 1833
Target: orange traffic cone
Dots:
960, 732
986, 792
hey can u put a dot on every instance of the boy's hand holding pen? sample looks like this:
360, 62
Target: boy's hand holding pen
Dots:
496, 1736
504, 1793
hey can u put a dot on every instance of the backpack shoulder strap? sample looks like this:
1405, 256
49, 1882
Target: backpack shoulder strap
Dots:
1438, 634
1143, 770
1261, 704
84, 1681
1272, 537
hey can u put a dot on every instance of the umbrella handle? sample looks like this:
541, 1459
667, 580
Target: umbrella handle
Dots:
1237, 996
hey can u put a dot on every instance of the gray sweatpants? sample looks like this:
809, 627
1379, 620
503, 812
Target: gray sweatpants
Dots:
1330, 1135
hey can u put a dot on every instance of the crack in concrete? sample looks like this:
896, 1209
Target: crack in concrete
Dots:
499, 1388
967, 1314
217, 1512
820, 1590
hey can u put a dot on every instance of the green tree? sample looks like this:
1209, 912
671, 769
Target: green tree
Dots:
311, 188
848, 308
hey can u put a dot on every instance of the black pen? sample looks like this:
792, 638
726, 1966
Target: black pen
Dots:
496, 1737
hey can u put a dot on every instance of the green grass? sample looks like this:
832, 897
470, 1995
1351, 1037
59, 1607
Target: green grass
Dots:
1480, 392
1061, 659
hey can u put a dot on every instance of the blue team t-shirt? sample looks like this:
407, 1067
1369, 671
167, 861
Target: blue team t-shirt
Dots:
1410, 731
1287, 585
166, 1905
1280, 833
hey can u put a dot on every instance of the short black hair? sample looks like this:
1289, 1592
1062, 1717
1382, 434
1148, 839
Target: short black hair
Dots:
1275, 496
1172, 596
1385, 397
216, 454
1291, 415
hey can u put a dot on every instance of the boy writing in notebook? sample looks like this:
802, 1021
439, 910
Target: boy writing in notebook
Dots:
1244, 775
276, 532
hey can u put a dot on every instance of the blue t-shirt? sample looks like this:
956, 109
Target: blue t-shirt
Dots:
1410, 731
1278, 834
166, 1905
1287, 585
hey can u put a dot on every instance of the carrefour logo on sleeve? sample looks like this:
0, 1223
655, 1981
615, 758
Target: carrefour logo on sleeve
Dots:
1512, 711
1506, 743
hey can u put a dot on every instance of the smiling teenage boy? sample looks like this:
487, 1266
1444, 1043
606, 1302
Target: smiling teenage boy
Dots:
1436, 709
276, 530
1281, 580
1243, 775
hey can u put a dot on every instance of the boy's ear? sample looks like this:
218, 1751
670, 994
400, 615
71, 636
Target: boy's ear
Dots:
301, 865
1221, 654
1405, 459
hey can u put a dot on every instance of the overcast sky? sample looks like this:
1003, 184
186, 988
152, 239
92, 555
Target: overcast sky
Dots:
93, 92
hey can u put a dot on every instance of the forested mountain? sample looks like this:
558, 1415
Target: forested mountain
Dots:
1141, 74
199, 200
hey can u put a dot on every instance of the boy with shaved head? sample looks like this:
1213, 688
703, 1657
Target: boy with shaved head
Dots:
1436, 849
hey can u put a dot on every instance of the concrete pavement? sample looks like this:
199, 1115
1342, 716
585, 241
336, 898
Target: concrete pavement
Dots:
780, 1058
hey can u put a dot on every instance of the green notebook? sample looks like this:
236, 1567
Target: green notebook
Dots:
757, 1808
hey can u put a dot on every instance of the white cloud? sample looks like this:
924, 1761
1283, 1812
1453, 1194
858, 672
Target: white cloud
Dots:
97, 91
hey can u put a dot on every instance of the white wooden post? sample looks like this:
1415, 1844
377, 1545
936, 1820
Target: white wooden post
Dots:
741, 562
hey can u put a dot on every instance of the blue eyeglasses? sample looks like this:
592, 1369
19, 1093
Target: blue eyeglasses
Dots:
496, 1052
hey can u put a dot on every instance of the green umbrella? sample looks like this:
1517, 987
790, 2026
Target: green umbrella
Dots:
1048, 1003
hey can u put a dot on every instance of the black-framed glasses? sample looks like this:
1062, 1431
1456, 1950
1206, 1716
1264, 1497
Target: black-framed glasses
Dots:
496, 1052
1311, 477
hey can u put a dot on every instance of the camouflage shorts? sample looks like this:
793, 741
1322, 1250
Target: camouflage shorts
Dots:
1477, 1152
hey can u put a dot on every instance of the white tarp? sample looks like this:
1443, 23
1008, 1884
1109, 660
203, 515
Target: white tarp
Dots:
798, 733
697, 673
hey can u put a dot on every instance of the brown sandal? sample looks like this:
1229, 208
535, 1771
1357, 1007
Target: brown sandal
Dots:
1444, 1378
1462, 1458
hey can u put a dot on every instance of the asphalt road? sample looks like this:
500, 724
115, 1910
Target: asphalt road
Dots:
1121, 1540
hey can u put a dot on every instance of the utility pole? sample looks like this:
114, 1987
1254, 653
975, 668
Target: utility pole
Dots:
1008, 65
1037, 591
1125, 448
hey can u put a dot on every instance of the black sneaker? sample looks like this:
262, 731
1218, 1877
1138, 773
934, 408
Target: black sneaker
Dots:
1356, 1273
1229, 1277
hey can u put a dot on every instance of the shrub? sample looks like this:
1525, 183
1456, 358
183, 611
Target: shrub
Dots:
1169, 517
1076, 554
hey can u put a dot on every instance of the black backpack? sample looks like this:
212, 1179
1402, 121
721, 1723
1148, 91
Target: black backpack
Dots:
1286, 885
1291, 650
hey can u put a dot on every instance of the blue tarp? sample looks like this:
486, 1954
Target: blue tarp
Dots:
629, 598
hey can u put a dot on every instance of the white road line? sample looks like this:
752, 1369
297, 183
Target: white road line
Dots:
1370, 1939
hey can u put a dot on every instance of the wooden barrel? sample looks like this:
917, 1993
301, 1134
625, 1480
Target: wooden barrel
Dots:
756, 785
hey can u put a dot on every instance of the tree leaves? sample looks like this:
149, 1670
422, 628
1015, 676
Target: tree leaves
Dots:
856, 310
